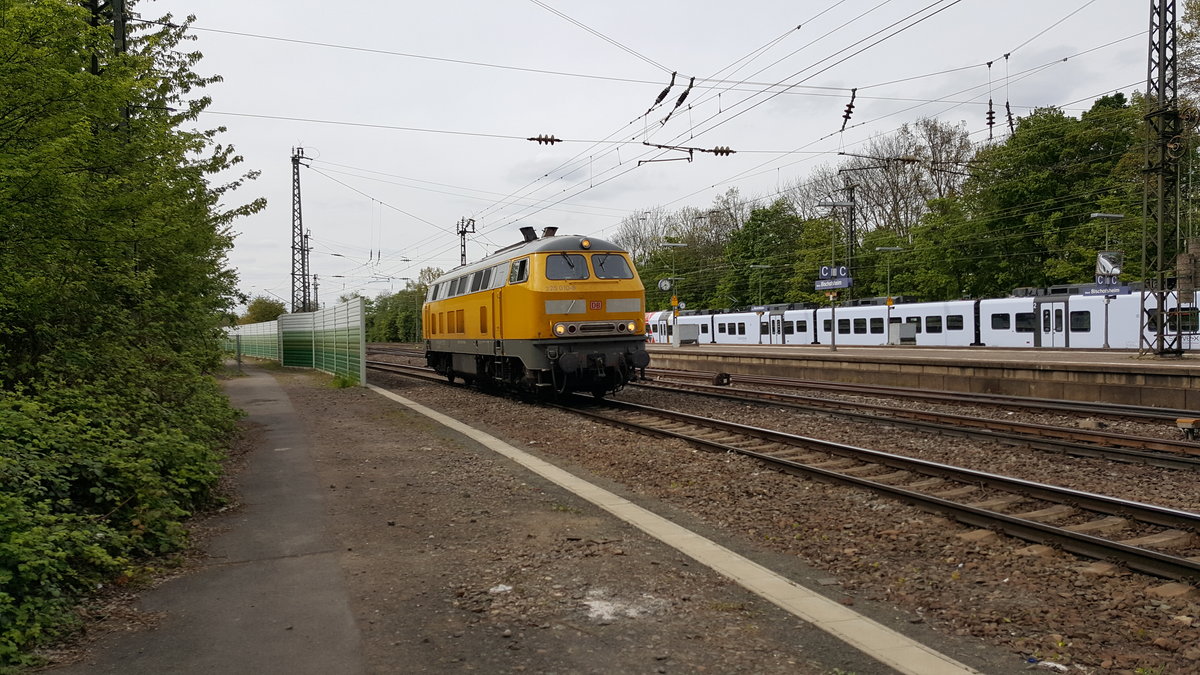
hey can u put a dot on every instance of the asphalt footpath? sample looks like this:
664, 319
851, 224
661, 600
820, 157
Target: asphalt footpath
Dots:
270, 597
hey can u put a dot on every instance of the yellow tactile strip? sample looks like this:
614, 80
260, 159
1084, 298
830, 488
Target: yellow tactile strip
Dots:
868, 636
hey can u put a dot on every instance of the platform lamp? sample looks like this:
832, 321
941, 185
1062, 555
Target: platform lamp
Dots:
1107, 218
670, 286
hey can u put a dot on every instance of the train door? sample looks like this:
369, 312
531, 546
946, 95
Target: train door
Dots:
664, 328
1052, 324
776, 331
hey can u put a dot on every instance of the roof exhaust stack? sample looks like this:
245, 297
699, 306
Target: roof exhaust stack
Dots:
528, 233
549, 231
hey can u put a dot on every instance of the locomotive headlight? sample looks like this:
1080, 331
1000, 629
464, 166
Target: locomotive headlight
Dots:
621, 327
632, 326
586, 244
560, 329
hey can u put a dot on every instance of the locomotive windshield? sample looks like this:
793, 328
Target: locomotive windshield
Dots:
566, 266
611, 266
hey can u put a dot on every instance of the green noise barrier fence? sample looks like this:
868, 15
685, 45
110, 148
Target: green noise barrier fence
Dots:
332, 340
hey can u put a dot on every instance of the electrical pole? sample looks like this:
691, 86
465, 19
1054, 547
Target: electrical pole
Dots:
304, 273
316, 303
1160, 197
465, 226
299, 285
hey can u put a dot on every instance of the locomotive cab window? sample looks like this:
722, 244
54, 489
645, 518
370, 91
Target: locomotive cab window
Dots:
519, 271
611, 266
566, 267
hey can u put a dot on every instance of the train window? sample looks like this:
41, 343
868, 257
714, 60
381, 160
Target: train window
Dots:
954, 322
704, 328
827, 326
860, 326
1188, 318
670, 329
1045, 321
566, 267
1081, 322
877, 325
801, 326
762, 329
483, 319
788, 328
1058, 321
459, 325
1024, 322
741, 329
611, 266
933, 324
720, 328
480, 279
915, 321
1001, 321
519, 272
843, 326
499, 275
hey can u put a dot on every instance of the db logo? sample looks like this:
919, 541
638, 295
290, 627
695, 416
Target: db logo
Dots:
595, 305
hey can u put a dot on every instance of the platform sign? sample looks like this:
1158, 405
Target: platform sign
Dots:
1106, 289
830, 284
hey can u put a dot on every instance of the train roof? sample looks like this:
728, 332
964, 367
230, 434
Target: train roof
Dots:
551, 243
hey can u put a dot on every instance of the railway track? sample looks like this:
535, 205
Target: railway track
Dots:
1086, 524
1113, 410
1089, 524
1078, 442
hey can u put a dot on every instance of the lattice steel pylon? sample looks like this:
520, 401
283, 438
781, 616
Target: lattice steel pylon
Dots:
1160, 199
299, 252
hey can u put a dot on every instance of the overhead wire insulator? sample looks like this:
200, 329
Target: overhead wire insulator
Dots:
545, 140
1012, 125
722, 151
991, 118
849, 108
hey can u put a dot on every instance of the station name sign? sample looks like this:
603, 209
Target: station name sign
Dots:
831, 284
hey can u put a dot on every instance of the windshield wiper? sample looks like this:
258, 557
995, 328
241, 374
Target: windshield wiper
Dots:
567, 258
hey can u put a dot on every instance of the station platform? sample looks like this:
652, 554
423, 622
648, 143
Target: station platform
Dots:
1111, 376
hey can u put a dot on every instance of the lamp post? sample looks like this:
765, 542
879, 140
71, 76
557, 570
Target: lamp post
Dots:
760, 267
1107, 218
889, 249
674, 294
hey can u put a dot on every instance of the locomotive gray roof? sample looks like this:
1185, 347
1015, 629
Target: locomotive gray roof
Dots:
568, 242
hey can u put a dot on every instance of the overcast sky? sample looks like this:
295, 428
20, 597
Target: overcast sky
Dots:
416, 114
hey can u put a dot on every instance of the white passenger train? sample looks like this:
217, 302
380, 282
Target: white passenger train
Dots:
1055, 321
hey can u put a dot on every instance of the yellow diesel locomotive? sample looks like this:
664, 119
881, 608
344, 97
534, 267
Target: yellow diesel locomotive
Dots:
550, 314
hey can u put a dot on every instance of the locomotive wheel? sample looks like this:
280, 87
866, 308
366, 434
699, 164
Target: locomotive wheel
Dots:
599, 391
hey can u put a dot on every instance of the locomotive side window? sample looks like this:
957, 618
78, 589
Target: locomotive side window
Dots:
481, 279
499, 275
611, 266
1001, 321
877, 325
566, 267
460, 325
1081, 322
954, 322
483, 319
1024, 322
933, 324
519, 272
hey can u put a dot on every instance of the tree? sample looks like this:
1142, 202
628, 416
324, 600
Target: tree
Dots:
114, 294
261, 309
